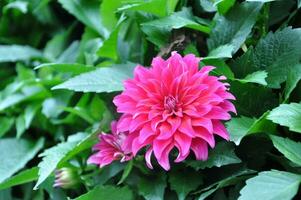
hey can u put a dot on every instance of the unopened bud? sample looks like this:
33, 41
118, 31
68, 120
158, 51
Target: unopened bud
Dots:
66, 178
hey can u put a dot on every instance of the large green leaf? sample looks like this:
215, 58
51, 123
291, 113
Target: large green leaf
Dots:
13, 53
277, 54
15, 153
222, 154
88, 12
107, 79
242, 126
108, 193
271, 185
233, 28
287, 115
184, 182
25, 176
290, 148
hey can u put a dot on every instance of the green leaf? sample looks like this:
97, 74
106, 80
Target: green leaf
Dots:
233, 28
13, 53
108, 193
127, 170
184, 184
74, 68
5, 123
20, 125
107, 79
22, 6
224, 5
158, 30
247, 105
108, 10
290, 148
271, 185
293, 77
222, 154
60, 153
109, 47
299, 3
224, 51
263, 1
25, 176
151, 6
242, 126
15, 153
256, 77
281, 60
232, 179
27, 92
183, 18
152, 188
287, 115
88, 12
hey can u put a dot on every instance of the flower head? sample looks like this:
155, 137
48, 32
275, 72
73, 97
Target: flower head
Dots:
171, 105
111, 147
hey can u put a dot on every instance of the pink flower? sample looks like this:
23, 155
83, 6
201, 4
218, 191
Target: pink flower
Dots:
110, 148
171, 105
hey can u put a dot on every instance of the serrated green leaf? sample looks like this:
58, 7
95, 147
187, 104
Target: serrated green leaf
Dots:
88, 12
152, 188
233, 28
222, 154
242, 126
283, 50
271, 185
13, 53
25, 176
108, 193
184, 184
290, 148
287, 115
107, 79
15, 153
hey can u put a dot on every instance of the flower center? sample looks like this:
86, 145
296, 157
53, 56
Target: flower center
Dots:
170, 103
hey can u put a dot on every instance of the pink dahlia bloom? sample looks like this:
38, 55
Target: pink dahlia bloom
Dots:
173, 104
111, 147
